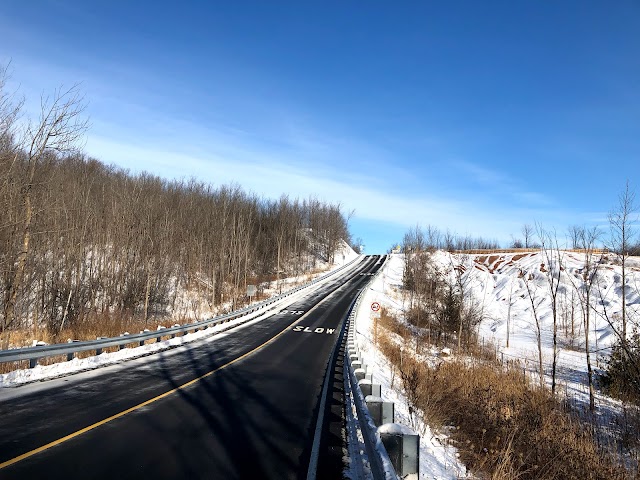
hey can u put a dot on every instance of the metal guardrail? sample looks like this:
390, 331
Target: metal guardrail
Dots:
380, 464
33, 354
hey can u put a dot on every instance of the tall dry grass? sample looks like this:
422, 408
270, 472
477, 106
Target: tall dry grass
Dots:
504, 427
107, 325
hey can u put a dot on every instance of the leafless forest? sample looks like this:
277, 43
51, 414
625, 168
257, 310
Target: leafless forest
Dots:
80, 239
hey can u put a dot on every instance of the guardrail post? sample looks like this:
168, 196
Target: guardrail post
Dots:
403, 446
71, 355
173, 335
368, 388
98, 350
381, 412
33, 362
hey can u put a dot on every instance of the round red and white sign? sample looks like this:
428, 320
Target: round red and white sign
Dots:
375, 306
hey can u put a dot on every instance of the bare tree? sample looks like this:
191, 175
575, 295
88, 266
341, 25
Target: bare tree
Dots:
588, 278
516, 242
59, 129
553, 258
621, 221
434, 238
529, 279
573, 233
449, 240
527, 233
461, 286
10, 108
511, 303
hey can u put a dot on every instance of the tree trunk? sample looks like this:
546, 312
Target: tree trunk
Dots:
555, 353
16, 281
592, 405
146, 296
66, 309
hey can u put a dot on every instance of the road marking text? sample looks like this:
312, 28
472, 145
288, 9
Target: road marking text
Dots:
302, 328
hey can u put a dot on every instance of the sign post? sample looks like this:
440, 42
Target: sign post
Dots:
375, 315
251, 291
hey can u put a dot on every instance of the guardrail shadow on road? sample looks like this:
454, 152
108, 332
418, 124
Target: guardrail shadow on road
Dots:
234, 429
391, 450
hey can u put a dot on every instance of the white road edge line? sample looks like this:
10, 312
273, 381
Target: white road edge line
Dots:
315, 449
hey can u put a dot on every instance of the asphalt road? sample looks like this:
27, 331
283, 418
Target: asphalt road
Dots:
242, 406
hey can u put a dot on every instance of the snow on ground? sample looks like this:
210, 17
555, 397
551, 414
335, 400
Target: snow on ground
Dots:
498, 287
438, 460
194, 305
497, 284
45, 372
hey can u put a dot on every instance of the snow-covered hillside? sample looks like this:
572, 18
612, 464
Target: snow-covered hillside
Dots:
498, 284
438, 459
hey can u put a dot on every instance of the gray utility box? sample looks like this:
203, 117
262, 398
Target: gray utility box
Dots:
382, 412
403, 446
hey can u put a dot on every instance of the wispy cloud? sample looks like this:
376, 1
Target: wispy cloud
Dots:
375, 198
501, 185
283, 149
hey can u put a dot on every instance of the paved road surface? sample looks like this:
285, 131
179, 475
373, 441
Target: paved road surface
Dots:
250, 411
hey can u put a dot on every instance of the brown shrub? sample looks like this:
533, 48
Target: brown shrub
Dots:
505, 428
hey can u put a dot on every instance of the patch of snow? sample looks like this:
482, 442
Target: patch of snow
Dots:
395, 429
438, 460
496, 283
46, 372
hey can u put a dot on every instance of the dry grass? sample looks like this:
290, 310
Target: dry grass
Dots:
102, 325
504, 427
105, 325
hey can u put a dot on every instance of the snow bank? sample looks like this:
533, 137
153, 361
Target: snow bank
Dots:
496, 283
438, 460
46, 372
395, 429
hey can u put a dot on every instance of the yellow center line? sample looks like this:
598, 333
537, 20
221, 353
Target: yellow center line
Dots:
148, 402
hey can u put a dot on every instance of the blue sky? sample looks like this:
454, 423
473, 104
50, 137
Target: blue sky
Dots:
472, 116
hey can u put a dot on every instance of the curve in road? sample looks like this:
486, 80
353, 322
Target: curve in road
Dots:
244, 405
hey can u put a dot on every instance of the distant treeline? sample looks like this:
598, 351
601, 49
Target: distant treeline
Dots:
79, 238
431, 238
